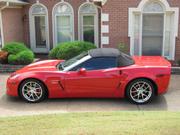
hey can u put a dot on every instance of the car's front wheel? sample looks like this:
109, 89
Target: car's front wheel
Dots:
32, 90
140, 91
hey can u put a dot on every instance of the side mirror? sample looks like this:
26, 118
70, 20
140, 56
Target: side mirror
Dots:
82, 71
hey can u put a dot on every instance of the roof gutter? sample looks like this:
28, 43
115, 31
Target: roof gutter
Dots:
7, 5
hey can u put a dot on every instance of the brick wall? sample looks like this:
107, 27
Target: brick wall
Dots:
50, 4
118, 21
118, 24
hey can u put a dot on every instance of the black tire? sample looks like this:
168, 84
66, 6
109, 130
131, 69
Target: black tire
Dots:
132, 88
41, 86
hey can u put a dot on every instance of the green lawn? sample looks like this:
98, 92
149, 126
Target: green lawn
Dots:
101, 123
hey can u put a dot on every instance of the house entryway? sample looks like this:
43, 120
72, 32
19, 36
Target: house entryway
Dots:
153, 28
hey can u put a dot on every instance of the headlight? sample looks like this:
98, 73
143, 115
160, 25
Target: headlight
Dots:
14, 75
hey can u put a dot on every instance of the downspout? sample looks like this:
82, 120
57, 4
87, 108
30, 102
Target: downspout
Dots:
1, 24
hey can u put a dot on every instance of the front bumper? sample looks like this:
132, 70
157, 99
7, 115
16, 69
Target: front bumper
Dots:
12, 87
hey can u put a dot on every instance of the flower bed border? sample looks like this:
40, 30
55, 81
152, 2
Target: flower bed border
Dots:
6, 68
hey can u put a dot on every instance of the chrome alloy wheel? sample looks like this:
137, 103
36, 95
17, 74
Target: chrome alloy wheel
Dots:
141, 92
32, 91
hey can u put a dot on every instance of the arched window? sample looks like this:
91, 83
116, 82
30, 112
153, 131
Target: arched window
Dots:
39, 28
153, 28
63, 20
153, 7
88, 23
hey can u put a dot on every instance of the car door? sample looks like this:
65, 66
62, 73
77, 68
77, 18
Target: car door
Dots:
100, 77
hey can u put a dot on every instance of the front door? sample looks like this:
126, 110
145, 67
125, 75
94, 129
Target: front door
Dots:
101, 78
92, 83
39, 40
88, 29
152, 34
64, 31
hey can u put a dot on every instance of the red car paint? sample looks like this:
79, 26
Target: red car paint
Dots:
106, 83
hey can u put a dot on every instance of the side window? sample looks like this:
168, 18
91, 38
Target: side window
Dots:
98, 63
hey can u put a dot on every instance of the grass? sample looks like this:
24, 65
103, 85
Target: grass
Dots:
101, 123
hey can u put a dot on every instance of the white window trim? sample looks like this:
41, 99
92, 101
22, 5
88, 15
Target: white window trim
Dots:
96, 23
54, 21
32, 30
1, 25
139, 10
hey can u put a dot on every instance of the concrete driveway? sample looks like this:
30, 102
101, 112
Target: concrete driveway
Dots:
14, 106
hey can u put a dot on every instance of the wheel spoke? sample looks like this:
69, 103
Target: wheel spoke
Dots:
141, 91
32, 91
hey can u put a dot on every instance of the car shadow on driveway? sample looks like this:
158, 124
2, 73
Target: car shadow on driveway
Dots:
16, 105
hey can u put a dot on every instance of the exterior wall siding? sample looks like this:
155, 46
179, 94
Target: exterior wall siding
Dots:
12, 21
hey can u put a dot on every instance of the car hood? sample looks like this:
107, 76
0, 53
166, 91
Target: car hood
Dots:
46, 65
151, 61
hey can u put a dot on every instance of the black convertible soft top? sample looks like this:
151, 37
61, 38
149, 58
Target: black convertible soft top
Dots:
123, 59
104, 52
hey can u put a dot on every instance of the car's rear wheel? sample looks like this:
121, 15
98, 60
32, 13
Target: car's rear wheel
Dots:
32, 91
140, 91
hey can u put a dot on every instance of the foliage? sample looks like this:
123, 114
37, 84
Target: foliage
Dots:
123, 47
14, 47
23, 58
68, 50
19, 54
94, 123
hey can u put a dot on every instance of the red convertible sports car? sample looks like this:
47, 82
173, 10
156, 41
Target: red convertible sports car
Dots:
99, 73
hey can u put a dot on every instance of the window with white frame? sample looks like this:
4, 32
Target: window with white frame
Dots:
153, 28
63, 19
88, 23
39, 28
0, 38
0, 32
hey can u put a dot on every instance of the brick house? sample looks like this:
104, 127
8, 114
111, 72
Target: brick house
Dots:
147, 27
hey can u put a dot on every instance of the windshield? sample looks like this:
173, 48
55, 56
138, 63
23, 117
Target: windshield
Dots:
71, 61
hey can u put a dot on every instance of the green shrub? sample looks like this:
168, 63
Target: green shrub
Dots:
68, 50
123, 47
14, 47
19, 54
24, 57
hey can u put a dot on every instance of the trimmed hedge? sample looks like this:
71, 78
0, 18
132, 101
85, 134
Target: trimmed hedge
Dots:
19, 54
14, 47
68, 50
22, 58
